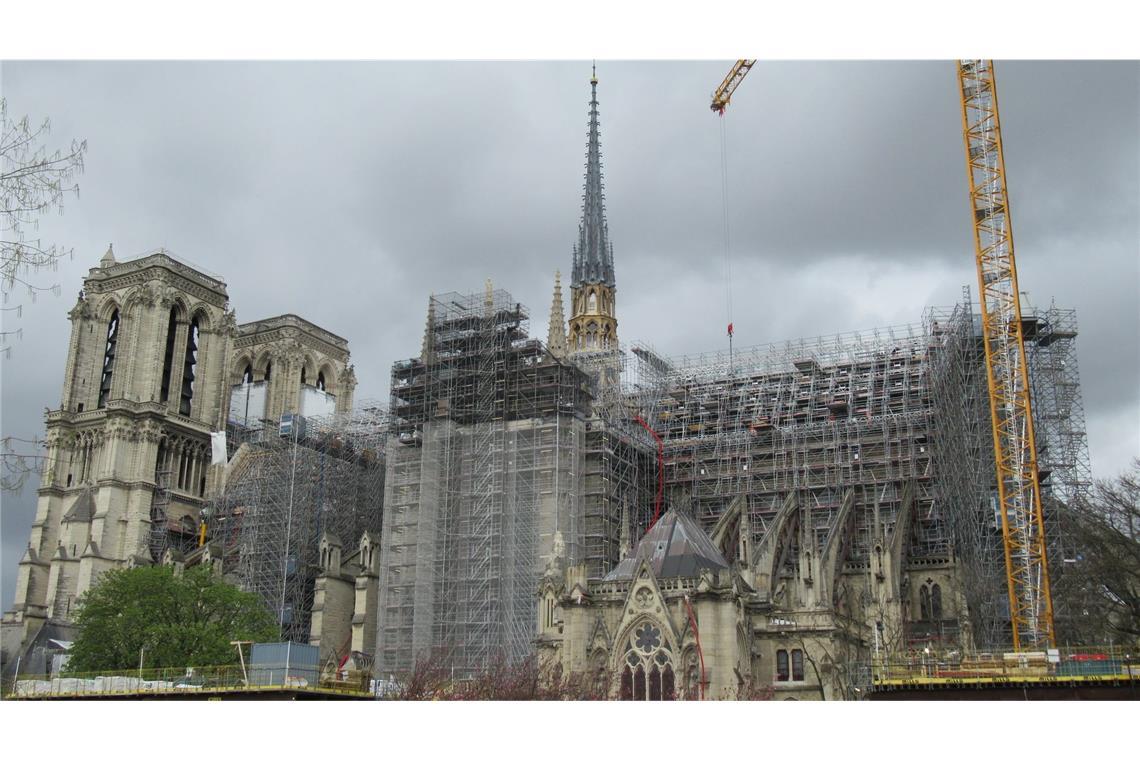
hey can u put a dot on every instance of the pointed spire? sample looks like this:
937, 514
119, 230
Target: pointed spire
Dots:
108, 259
593, 255
556, 337
427, 351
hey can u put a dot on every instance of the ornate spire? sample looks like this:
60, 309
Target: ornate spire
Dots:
108, 259
427, 351
593, 255
556, 337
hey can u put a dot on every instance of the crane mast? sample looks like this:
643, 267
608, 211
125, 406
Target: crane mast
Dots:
1015, 449
735, 76
1007, 377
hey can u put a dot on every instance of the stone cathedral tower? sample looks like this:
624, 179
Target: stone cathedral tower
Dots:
128, 451
593, 320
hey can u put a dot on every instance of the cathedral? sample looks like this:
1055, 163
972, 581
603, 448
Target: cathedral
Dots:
754, 526
156, 365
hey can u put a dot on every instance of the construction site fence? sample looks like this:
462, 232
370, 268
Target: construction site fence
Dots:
189, 682
1072, 662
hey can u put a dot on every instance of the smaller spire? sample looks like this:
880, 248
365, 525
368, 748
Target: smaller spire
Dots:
625, 546
556, 337
427, 351
108, 259
489, 299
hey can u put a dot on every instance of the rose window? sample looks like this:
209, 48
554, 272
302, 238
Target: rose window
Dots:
648, 638
647, 665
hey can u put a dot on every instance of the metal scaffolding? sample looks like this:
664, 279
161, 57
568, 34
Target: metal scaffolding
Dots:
897, 417
290, 481
620, 462
817, 418
1059, 423
499, 451
486, 461
965, 458
965, 465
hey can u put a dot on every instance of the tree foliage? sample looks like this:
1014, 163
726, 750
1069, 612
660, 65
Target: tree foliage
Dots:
173, 620
1101, 584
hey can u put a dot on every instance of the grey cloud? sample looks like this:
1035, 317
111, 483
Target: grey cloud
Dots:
348, 192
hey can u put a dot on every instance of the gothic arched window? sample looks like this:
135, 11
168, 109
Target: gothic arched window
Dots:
188, 368
936, 602
320, 381
626, 693
109, 359
592, 303
647, 667
168, 356
782, 665
302, 375
247, 374
924, 603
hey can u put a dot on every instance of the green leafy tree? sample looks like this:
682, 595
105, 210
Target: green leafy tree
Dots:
171, 620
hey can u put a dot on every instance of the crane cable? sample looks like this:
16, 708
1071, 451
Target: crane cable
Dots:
727, 257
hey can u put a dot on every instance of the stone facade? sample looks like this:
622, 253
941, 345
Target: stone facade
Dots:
298, 368
151, 361
701, 626
344, 610
143, 389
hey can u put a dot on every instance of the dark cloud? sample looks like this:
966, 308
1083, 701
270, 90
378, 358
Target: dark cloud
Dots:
349, 192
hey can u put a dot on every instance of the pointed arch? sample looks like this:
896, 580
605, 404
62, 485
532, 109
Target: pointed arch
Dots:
776, 545
241, 369
109, 306
308, 370
263, 367
325, 379
200, 313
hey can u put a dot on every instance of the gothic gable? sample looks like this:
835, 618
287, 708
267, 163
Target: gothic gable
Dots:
645, 600
646, 653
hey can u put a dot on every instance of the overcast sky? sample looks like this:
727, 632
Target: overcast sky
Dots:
347, 192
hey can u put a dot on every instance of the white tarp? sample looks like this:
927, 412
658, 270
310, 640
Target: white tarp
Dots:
218, 448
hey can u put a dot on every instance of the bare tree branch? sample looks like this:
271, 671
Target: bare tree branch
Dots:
32, 182
1101, 584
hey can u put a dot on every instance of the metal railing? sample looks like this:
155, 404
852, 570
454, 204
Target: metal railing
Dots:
1068, 663
188, 682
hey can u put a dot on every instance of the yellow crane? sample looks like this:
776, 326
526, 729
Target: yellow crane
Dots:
723, 93
1015, 447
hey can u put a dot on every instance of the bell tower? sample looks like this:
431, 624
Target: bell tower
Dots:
593, 316
127, 460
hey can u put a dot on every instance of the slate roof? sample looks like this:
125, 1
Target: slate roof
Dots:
82, 509
676, 547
